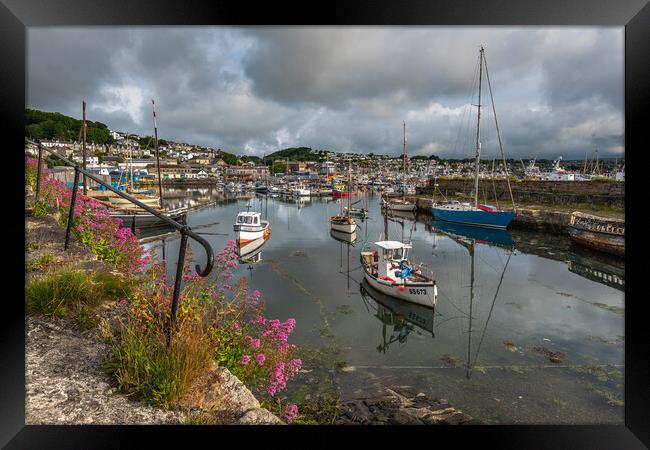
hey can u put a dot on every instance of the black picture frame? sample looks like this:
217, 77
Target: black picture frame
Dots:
634, 15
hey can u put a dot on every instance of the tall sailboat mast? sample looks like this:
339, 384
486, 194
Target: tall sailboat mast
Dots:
126, 169
155, 134
404, 157
478, 128
349, 188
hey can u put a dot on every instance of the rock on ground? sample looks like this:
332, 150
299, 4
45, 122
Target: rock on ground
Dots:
400, 406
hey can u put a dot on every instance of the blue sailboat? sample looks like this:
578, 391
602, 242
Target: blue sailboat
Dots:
478, 214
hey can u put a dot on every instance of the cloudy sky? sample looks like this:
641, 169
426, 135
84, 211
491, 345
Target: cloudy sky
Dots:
255, 90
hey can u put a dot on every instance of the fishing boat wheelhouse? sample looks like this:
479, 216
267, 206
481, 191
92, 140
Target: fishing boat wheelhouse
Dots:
389, 271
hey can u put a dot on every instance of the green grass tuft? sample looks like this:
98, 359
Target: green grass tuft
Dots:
54, 294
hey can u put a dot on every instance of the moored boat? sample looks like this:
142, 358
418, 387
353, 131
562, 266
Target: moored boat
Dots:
481, 215
358, 212
400, 204
598, 233
249, 227
390, 272
148, 200
477, 214
344, 224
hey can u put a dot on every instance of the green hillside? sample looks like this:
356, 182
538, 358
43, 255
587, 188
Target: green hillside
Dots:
56, 126
297, 154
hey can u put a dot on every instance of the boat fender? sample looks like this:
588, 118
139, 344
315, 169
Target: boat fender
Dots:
385, 278
401, 288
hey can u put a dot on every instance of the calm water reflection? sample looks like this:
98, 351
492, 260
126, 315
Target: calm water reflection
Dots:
526, 330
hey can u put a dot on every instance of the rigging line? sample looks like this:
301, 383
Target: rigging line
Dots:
487, 263
490, 313
505, 166
465, 111
450, 302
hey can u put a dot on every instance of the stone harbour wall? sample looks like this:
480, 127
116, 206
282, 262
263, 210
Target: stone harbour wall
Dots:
543, 192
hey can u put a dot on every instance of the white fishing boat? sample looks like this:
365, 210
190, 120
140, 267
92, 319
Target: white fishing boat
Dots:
249, 227
389, 271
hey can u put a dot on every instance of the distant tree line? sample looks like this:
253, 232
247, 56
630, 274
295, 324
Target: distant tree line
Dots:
55, 126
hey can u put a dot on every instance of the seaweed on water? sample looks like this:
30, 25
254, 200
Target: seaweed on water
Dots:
554, 357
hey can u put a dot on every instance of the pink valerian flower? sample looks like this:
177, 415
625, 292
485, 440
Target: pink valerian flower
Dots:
122, 301
226, 286
259, 320
277, 380
255, 296
244, 360
290, 412
294, 366
289, 325
260, 359
234, 326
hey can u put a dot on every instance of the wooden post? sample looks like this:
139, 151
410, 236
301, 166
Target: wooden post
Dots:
83, 145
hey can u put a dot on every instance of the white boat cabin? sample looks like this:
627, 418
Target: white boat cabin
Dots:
248, 218
392, 253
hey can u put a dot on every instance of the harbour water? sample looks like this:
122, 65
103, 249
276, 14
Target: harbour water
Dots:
536, 337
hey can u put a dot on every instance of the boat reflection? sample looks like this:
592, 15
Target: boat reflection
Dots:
609, 272
402, 316
346, 238
478, 234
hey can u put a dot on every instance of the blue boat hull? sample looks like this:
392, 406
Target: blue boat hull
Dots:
495, 219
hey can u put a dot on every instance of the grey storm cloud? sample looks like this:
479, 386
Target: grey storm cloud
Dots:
558, 91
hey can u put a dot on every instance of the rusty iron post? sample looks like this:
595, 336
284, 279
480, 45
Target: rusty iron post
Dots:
84, 146
72, 205
177, 282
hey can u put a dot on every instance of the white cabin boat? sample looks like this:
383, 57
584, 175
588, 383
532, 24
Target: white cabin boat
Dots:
249, 227
344, 224
399, 204
390, 272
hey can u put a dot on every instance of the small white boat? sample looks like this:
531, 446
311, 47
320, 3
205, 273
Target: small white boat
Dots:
389, 271
301, 192
399, 204
149, 200
249, 227
344, 224
359, 212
